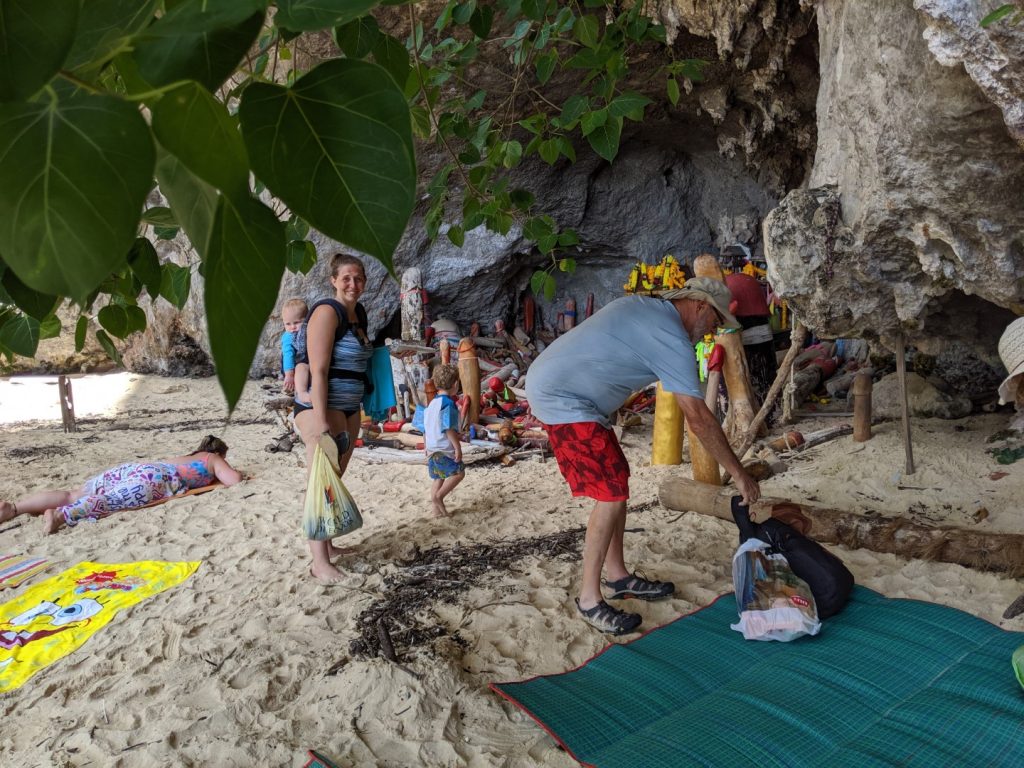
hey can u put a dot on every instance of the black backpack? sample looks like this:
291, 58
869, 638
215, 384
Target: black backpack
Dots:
830, 581
344, 325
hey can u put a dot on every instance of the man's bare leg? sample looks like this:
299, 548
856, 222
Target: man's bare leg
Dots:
605, 527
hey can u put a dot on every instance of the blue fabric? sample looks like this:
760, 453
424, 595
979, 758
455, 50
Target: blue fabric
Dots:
887, 682
287, 351
441, 466
588, 373
377, 403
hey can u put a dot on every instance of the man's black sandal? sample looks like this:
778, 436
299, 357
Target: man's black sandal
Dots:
635, 585
611, 620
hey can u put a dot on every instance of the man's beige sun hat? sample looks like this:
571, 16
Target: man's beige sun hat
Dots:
709, 290
1011, 351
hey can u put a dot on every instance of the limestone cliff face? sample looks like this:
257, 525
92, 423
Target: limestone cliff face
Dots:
913, 220
872, 150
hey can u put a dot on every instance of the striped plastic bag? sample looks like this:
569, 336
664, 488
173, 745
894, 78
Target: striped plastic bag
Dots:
330, 509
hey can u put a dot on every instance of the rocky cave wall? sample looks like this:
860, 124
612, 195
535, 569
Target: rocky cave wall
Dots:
913, 221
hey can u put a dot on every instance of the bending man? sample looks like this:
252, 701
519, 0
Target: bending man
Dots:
582, 378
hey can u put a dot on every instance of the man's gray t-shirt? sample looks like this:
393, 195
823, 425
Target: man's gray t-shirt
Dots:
629, 344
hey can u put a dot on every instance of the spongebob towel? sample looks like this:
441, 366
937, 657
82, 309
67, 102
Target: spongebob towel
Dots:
55, 617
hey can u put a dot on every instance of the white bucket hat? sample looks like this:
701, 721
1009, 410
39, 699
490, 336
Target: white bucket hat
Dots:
1011, 351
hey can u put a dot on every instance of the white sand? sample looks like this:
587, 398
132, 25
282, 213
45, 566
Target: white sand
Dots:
146, 689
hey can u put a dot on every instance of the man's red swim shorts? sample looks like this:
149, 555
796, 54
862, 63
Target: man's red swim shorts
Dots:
591, 460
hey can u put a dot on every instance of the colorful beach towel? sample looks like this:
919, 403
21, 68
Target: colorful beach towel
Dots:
887, 682
58, 615
15, 569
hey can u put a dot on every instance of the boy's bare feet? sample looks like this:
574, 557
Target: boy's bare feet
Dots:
7, 511
327, 574
52, 521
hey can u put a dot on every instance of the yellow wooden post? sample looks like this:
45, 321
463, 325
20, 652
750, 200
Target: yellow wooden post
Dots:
667, 444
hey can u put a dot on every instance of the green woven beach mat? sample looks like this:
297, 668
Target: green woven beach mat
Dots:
887, 682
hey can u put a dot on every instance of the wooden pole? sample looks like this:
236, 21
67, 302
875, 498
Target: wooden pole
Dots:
901, 373
982, 550
705, 468
861, 388
469, 376
67, 404
667, 442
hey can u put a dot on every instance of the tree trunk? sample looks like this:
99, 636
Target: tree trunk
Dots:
1002, 552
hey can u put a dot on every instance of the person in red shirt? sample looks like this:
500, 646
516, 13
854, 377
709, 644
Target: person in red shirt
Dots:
751, 309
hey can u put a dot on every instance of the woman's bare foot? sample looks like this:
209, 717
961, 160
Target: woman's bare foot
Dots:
439, 509
7, 511
52, 521
326, 574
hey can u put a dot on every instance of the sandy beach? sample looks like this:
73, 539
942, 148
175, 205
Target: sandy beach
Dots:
230, 668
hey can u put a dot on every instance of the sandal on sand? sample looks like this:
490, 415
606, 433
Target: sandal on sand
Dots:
607, 619
635, 585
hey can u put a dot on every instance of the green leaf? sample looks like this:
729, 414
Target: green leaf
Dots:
537, 281
104, 30
546, 244
145, 264
457, 236
522, 199
191, 124
166, 233
420, 121
193, 201
159, 216
357, 38
175, 283
481, 20
463, 11
546, 65
605, 138
627, 102
548, 150
999, 13
393, 56
573, 109
586, 31
567, 265
566, 148
306, 15
673, 90
549, 287
20, 334
35, 39
301, 256
32, 303
337, 149
513, 154
73, 177
50, 328
198, 40
593, 120
296, 228
114, 320
108, 347
244, 266
81, 328
568, 237
136, 318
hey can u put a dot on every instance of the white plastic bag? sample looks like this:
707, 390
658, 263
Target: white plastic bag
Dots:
773, 603
330, 509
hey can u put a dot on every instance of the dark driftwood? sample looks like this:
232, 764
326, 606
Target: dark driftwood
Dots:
1002, 552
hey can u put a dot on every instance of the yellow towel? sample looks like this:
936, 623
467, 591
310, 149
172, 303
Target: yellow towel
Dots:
56, 616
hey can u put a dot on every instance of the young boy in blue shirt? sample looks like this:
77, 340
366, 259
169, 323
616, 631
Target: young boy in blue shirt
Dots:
441, 439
